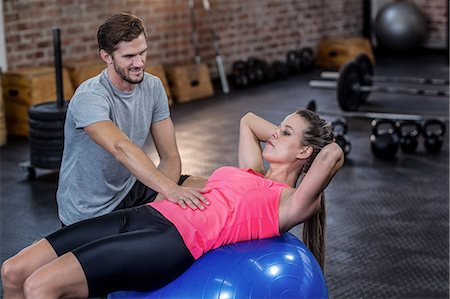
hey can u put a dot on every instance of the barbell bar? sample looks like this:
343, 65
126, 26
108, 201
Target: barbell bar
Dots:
367, 68
383, 89
352, 89
406, 80
374, 115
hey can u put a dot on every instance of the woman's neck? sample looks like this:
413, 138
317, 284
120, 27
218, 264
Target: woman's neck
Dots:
287, 175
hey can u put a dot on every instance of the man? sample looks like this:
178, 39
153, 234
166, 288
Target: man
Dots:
108, 120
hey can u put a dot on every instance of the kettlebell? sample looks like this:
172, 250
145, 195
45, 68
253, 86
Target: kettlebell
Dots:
408, 132
293, 61
239, 74
307, 59
384, 142
433, 131
255, 73
340, 128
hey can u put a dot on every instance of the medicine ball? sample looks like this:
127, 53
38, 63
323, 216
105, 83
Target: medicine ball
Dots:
400, 26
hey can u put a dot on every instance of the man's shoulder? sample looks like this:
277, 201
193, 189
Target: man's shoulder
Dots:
92, 84
92, 87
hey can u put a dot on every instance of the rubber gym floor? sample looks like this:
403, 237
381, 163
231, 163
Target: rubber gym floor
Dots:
387, 221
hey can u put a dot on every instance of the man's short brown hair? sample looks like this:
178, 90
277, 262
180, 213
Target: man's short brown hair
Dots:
118, 28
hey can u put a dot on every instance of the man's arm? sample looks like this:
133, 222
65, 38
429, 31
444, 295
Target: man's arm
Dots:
163, 134
113, 140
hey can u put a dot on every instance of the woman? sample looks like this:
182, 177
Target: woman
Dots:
146, 247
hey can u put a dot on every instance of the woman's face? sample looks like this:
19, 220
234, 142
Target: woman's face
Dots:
285, 144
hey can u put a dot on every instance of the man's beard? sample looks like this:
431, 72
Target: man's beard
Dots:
124, 76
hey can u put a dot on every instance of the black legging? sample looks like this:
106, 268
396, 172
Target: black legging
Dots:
131, 249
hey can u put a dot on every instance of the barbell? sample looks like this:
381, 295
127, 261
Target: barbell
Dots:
312, 105
367, 70
353, 89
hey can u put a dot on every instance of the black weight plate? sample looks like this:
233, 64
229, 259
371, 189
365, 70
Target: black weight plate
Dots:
48, 111
47, 153
350, 78
46, 163
367, 71
46, 124
46, 134
46, 144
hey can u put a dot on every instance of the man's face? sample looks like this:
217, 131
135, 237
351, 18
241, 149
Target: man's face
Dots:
129, 59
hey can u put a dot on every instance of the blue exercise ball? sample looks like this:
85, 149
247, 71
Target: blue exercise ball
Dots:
280, 267
400, 26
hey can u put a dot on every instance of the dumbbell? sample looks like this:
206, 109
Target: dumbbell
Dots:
408, 132
353, 89
340, 128
433, 131
384, 141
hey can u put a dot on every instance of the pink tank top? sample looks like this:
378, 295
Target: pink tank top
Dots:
243, 206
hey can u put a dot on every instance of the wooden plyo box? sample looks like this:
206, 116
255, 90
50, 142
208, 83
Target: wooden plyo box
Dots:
26, 87
334, 52
158, 71
189, 82
80, 71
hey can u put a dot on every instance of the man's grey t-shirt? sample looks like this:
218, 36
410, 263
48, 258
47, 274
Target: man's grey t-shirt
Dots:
91, 181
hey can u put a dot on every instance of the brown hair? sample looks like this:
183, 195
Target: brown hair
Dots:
318, 134
118, 28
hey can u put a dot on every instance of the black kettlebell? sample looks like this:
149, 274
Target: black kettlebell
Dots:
433, 131
280, 70
294, 61
255, 73
239, 74
384, 141
340, 128
408, 132
307, 59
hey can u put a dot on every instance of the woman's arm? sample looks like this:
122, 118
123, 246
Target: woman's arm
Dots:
253, 129
299, 204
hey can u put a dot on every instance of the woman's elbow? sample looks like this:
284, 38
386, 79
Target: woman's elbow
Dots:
334, 153
246, 117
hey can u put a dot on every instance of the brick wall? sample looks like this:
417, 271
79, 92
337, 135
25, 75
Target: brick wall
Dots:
263, 28
436, 13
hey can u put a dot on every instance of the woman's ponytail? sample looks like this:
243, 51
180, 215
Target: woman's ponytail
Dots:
314, 232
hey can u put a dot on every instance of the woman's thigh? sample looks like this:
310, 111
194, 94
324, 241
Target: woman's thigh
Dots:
139, 260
